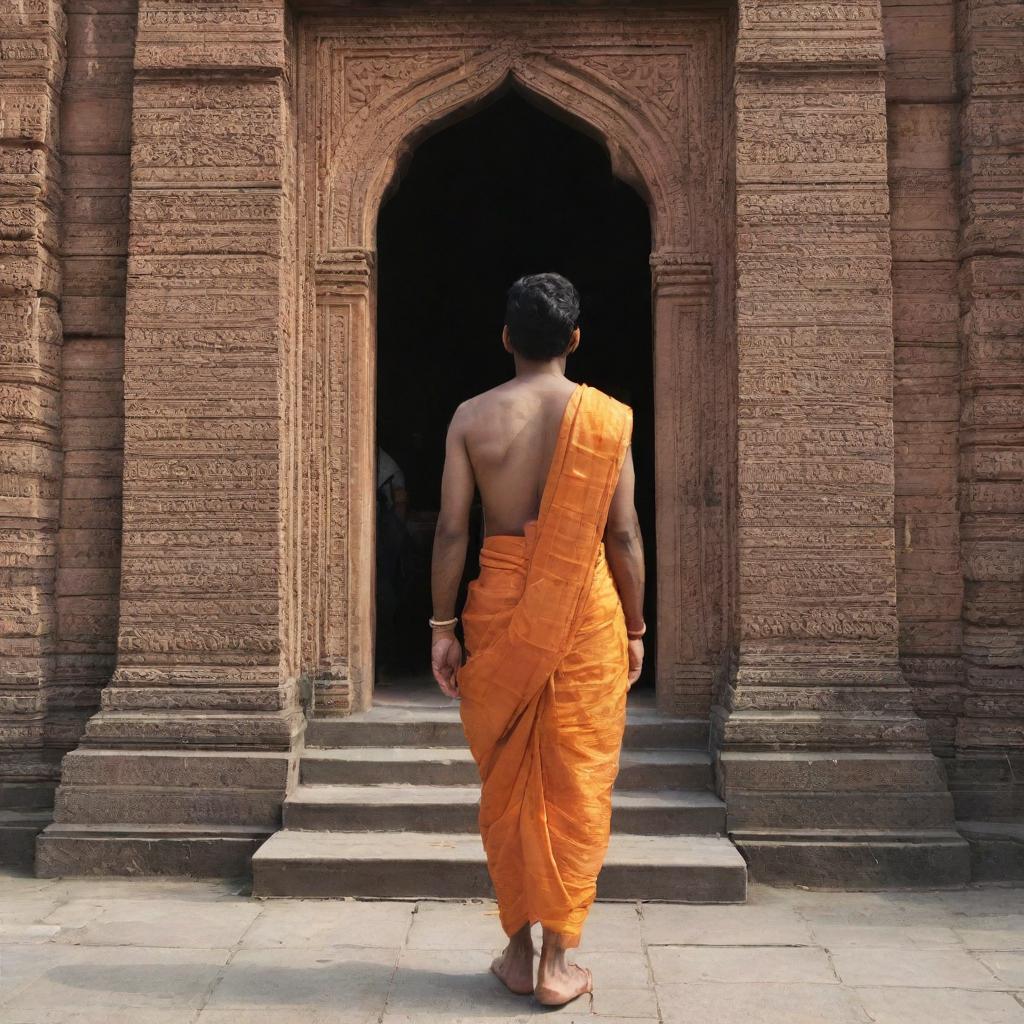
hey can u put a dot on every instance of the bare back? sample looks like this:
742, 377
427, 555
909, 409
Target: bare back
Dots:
510, 434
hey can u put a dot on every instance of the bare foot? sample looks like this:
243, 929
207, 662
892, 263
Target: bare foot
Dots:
562, 983
515, 965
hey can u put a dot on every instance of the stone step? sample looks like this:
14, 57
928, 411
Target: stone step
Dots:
454, 766
683, 869
398, 808
420, 726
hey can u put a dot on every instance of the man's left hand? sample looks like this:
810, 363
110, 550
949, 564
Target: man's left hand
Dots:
445, 659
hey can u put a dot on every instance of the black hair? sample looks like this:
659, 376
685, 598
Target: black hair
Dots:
541, 312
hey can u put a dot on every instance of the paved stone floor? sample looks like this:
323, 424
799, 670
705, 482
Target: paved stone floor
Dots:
148, 951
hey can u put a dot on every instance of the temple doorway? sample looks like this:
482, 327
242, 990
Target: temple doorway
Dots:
507, 191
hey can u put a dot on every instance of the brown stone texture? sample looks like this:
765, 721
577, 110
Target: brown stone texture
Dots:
642, 81
205, 655
95, 140
922, 104
188, 201
32, 61
819, 675
988, 772
205, 587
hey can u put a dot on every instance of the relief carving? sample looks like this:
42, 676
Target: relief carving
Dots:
376, 90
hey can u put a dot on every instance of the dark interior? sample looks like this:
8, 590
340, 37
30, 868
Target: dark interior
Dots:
507, 191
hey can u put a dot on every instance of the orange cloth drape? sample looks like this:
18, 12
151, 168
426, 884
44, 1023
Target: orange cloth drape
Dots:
545, 679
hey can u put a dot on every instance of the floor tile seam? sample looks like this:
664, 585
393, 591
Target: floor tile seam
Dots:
958, 942
1017, 994
815, 922
398, 961
974, 954
868, 1015
61, 903
1006, 990
832, 966
735, 945
10, 996
645, 947
931, 948
739, 982
233, 950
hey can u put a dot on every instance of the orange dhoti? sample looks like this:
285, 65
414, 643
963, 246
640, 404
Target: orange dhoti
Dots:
544, 684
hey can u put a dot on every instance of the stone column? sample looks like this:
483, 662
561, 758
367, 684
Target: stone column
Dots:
185, 766
824, 765
989, 763
345, 331
922, 110
32, 58
96, 124
689, 524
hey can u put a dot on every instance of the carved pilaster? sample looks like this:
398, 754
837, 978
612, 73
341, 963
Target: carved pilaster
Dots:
205, 678
854, 794
988, 770
32, 62
344, 286
689, 527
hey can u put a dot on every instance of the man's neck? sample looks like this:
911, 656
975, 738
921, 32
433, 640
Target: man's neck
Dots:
531, 369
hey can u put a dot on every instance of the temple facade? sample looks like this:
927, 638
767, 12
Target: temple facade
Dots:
189, 195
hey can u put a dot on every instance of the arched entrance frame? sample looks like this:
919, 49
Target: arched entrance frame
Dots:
654, 96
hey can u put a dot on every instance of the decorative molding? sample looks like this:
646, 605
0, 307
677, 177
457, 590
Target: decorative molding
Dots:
639, 81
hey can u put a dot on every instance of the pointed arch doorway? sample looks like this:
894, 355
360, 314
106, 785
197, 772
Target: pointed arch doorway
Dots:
649, 88
505, 192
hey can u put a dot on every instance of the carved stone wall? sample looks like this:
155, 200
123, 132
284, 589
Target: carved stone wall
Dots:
989, 768
922, 105
32, 62
824, 764
650, 82
95, 143
921, 90
198, 728
837, 286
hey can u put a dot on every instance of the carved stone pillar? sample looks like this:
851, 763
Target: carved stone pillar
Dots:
689, 525
824, 765
344, 329
185, 766
32, 58
988, 770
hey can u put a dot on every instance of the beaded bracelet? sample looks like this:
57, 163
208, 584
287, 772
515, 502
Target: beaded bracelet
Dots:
635, 634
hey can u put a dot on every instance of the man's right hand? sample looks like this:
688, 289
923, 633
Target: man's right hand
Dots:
445, 659
636, 660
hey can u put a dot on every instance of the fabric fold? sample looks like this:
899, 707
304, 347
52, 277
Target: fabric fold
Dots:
544, 683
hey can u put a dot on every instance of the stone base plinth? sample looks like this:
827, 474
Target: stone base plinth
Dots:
823, 859
214, 851
843, 819
165, 811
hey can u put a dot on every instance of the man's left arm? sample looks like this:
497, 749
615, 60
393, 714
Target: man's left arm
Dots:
451, 538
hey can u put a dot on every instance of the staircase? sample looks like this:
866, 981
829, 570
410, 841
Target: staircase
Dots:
387, 802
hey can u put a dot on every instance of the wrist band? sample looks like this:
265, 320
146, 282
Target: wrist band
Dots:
442, 622
635, 634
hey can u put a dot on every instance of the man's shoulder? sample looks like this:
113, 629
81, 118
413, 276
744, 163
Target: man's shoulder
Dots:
477, 404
